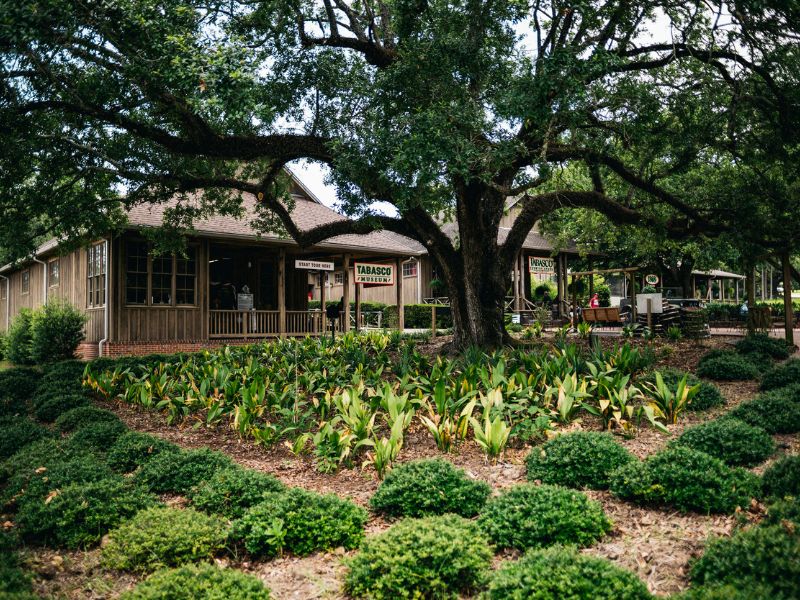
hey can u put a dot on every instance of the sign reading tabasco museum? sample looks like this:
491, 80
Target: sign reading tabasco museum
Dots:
541, 265
373, 273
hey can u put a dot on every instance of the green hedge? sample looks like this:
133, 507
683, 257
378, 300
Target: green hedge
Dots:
782, 375
734, 442
782, 478
727, 366
436, 557
133, 449
179, 472
418, 316
199, 582
18, 432
233, 490
775, 412
19, 384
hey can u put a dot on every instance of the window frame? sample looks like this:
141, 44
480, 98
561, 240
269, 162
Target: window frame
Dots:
6, 283
96, 282
50, 263
411, 263
173, 290
25, 282
338, 278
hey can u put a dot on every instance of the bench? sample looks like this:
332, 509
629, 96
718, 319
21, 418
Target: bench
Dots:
601, 315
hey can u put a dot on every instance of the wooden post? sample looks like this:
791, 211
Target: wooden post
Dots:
634, 314
574, 316
346, 293
282, 292
788, 309
323, 275
650, 314
517, 286
401, 317
750, 290
591, 279
433, 320
358, 306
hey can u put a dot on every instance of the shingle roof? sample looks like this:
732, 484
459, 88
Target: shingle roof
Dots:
533, 241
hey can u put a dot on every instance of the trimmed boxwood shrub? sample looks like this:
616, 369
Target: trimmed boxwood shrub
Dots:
782, 375
560, 573
763, 344
300, 522
579, 459
766, 556
56, 331
179, 472
199, 582
48, 408
782, 478
98, 437
133, 449
530, 516
782, 511
33, 455
732, 441
79, 514
772, 411
429, 487
686, 479
434, 557
727, 592
164, 537
19, 383
707, 396
729, 366
231, 491
18, 432
74, 419
64, 371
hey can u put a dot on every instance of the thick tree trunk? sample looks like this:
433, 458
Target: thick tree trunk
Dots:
787, 298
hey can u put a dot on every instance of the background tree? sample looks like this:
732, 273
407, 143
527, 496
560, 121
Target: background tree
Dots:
443, 109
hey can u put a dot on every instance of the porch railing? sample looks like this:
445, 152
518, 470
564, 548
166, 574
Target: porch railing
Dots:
262, 323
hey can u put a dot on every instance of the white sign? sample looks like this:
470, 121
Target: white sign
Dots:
651, 279
244, 301
313, 265
541, 265
374, 274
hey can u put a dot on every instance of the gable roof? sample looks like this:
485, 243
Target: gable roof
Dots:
533, 241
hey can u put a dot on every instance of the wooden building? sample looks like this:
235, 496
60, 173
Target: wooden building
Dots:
233, 285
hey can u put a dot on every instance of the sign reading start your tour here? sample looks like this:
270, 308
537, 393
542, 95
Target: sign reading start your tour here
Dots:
374, 274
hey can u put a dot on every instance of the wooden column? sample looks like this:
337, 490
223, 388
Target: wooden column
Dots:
358, 305
574, 303
401, 317
282, 292
346, 293
517, 286
323, 275
591, 278
788, 309
633, 296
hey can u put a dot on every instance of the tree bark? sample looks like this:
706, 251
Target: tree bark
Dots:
788, 309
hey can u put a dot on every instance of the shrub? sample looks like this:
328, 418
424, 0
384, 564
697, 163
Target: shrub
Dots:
231, 491
63, 371
435, 557
530, 516
782, 478
772, 411
782, 375
179, 472
727, 592
301, 522
763, 344
74, 419
49, 408
707, 396
765, 555
18, 339
79, 514
18, 383
429, 487
786, 510
728, 367
418, 316
32, 456
579, 459
98, 437
133, 449
17, 432
199, 582
56, 331
686, 479
164, 537
562, 573
732, 441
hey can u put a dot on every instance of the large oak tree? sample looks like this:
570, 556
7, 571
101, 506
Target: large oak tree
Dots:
441, 108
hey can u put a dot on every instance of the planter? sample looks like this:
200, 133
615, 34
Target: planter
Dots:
641, 303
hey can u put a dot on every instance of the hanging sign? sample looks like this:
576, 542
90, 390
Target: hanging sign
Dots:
541, 265
313, 265
373, 273
651, 279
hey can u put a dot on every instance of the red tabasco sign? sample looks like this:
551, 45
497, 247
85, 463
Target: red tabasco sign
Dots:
374, 274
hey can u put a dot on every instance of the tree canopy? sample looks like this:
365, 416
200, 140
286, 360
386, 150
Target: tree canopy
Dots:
441, 108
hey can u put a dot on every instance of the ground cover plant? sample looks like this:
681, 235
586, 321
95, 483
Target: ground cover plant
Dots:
429, 487
18, 432
98, 437
232, 490
179, 472
686, 479
433, 557
199, 582
82, 416
782, 375
300, 522
577, 459
49, 407
561, 572
733, 441
782, 478
531, 516
161, 537
728, 366
133, 449
763, 344
18, 383
775, 412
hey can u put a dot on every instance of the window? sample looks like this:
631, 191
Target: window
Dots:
338, 278
171, 280
4, 289
410, 269
53, 272
26, 281
96, 275
136, 273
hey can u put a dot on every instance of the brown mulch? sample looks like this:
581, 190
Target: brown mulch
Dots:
657, 545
